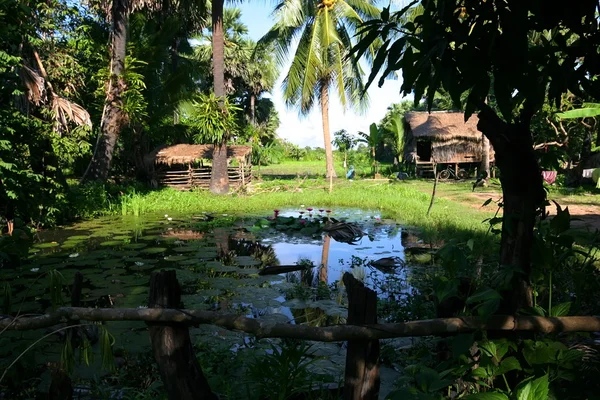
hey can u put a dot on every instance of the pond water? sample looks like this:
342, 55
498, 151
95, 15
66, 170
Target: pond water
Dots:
218, 259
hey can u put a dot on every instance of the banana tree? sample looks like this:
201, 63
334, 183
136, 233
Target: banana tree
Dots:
373, 140
344, 142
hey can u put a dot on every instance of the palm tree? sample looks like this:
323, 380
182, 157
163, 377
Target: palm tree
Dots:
113, 117
322, 58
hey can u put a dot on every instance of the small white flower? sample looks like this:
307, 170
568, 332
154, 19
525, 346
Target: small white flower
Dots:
179, 242
166, 215
139, 263
170, 219
224, 215
142, 306
301, 205
35, 269
73, 255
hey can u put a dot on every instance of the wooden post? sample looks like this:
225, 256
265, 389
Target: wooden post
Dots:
61, 386
172, 346
361, 381
243, 175
434, 187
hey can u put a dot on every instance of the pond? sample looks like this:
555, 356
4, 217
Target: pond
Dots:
220, 261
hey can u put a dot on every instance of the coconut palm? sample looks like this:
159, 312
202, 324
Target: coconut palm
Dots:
322, 58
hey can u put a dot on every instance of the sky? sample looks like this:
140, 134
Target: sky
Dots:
308, 130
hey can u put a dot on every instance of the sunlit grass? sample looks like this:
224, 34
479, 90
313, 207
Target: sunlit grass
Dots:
398, 201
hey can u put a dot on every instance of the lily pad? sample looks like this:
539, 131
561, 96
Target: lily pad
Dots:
135, 246
45, 245
154, 250
247, 261
112, 243
150, 237
191, 261
186, 249
78, 237
225, 268
176, 258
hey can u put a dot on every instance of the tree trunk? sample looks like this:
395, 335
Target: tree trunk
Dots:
112, 118
171, 344
485, 156
219, 176
326, 134
218, 48
252, 109
325, 260
523, 194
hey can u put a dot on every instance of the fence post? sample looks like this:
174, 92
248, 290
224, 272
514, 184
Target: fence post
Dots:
361, 381
172, 346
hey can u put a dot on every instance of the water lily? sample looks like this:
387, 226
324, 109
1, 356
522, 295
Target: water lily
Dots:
35, 269
73, 255
301, 205
328, 211
321, 210
169, 219
310, 209
166, 215
303, 221
276, 212
139, 263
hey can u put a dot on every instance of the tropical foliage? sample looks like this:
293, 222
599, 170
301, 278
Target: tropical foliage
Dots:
321, 61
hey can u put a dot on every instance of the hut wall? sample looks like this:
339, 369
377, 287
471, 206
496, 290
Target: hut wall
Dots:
186, 179
457, 151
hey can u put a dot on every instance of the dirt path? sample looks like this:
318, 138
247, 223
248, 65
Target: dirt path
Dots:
586, 216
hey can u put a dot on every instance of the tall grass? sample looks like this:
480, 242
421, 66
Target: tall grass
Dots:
399, 201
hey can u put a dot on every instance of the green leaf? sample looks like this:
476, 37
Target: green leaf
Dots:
560, 310
509, 364
562, 221
481, 372
534, 390
592, 111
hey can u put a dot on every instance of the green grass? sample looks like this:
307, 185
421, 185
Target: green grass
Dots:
312, 168
399, 201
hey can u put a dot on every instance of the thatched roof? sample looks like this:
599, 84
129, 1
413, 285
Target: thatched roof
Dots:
187, 153
443, 126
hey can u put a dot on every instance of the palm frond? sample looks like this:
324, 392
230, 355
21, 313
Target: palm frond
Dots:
65, 110
35, 84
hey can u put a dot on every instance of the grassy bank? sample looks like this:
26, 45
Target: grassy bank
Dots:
399, 201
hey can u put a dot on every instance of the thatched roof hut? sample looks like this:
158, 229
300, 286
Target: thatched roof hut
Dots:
443, 137
188, 153
175, 166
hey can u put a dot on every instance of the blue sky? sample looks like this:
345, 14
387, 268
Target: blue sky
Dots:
308, 131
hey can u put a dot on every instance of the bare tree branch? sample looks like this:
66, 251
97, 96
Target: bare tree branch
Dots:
335, 333
541, 145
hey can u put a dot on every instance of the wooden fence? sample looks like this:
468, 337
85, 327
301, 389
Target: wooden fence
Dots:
180, 370
186, 179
